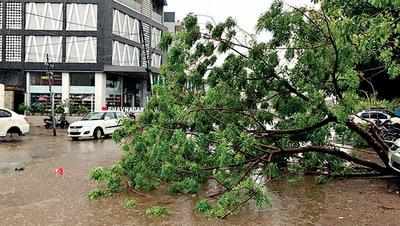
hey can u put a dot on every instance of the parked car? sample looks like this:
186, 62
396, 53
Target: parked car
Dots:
377, 117
12, 124
96, 125
394, 155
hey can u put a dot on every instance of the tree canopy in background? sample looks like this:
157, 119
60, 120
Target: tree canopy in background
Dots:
270, 107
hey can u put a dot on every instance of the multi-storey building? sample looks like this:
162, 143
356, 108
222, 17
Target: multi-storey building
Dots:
101, 52
170, 22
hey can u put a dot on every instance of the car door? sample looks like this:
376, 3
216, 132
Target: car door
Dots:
110, 122
382, 118
5, 122
120, 117
366, 116
374, 117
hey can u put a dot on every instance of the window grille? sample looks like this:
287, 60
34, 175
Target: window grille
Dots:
13, 48
14, 15
1, 47
1, 15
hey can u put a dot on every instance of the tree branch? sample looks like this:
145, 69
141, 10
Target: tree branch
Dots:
327, 120
336, 64
379, 146
207, 36
239, 205
335, 152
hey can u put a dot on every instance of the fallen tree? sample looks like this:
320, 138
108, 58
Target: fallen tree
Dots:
267, 107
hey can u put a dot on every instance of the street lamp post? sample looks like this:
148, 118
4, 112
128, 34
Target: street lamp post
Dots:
50, 79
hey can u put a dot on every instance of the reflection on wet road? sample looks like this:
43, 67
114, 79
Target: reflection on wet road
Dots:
37, 196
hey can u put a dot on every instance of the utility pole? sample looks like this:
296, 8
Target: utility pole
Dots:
50, 79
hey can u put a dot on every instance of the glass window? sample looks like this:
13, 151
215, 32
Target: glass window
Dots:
120, 115
110, 115
126, 26
42, 79
155, 37
125, 55
81, 17
113, 82
40, 102
80, 103
4, 114
155, 60
365, 115
374, 115
114, 91
382, 116
43, 16
81, 49
94, 116
81, 79
37, 48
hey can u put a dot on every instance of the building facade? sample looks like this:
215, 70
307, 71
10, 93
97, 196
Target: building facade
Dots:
170, 21
100, 52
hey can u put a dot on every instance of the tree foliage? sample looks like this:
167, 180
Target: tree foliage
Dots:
234, 123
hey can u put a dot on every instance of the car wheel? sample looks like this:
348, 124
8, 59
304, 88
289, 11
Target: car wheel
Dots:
98, 133
8, 137
13, 132
11, 136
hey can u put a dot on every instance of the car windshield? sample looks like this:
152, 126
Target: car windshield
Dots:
94, 116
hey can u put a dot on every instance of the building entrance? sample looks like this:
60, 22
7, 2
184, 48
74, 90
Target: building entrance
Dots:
131, 94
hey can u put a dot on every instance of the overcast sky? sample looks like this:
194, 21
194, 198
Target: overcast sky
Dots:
245, 12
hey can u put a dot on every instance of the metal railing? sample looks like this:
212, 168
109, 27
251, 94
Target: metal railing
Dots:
139, 8
131, 4
157, 17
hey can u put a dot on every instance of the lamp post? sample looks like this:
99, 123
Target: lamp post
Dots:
50, 79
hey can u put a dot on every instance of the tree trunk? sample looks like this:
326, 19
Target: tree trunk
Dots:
373, 139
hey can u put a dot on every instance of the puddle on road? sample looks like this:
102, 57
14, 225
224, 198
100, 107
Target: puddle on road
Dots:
10, 161
37, 196
40, 146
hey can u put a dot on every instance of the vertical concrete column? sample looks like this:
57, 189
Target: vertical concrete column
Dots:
65, 89
100, 81
2, 95
9, 97
28, 89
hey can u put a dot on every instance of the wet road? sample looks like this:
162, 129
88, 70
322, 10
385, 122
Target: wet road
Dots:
37, 196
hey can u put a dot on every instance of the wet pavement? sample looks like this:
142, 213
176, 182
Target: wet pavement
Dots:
37, 196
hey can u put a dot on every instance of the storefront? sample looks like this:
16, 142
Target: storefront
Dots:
79, 92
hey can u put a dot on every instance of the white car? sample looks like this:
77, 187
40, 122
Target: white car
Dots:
376, 117
12, 123
394, 155
96, 125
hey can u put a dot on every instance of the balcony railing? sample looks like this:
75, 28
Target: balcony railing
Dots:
131, 4
138, 7
157, 17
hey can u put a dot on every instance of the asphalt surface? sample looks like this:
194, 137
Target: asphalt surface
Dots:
36, 195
